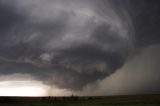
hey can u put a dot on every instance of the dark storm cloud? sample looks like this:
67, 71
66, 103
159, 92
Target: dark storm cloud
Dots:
8, 17
145, 16
71, 44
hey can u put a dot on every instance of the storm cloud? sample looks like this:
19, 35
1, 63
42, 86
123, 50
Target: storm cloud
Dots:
71, 43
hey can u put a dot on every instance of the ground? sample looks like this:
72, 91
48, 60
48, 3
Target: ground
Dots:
137, 100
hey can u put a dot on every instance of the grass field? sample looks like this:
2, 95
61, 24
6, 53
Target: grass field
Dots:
141, 100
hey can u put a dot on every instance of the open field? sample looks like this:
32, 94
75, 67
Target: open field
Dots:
141, 100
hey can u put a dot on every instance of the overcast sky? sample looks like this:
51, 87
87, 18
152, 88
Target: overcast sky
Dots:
110, 47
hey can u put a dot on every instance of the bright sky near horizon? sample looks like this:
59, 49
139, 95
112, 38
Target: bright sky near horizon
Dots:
21, 88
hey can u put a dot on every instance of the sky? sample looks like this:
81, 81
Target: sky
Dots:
82, 47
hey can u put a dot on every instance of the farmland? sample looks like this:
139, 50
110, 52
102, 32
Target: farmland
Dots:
137, 100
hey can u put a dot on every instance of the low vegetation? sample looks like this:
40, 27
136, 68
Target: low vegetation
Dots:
143, 100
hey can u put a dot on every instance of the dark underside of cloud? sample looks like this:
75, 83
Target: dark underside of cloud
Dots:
71, 44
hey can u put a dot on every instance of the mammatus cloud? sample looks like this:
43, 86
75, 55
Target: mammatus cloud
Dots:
72, 43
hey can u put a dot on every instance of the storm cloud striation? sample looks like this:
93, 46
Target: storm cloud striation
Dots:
71, 43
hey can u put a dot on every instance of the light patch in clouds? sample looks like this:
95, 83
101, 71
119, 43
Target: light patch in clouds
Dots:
22, 88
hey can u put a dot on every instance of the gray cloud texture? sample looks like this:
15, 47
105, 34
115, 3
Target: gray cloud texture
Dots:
71, 43
140, 75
